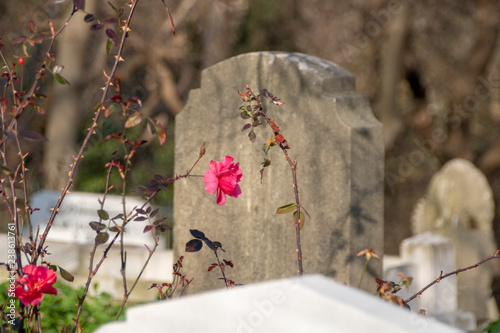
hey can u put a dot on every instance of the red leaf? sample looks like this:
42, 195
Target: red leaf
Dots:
110, 20
244, 96
194, 245
18, 40
116, 98
96, 26
171, 22
79, 5
274, 127
112, 35
134, 99
160, 132
33, 136
280, 138
147, 228
38, 38
32, 27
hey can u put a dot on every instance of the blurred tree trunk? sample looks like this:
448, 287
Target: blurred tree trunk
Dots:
391, 74
218, 22
64, 114
464, 84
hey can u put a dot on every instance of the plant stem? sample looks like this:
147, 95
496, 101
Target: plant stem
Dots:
221, 269
455, 272
293, 167
363, 274
78, 157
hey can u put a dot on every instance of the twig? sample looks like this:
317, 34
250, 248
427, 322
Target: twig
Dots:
455, 272
293, 167
77, 158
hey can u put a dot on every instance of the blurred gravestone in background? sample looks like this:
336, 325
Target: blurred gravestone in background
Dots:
339, 148
71, 239
459, 205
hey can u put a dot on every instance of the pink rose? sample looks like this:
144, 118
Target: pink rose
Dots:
35, 281
223, 178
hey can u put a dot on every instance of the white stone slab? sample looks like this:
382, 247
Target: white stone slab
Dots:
313, 303
78, 209
75, 259
432, 254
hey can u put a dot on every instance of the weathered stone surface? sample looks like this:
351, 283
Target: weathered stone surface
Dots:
339, 148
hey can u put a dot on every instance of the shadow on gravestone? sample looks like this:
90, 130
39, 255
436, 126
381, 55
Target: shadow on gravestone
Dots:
338, 145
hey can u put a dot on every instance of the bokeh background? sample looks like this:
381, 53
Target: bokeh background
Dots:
430, 68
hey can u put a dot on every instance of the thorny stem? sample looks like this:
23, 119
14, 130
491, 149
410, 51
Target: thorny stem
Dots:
93, 272
293, 167
20, 107
77, 160
92, 255
79, 156
127, 294
455, 272
221, 269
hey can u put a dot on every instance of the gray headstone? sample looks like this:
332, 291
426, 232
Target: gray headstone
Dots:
338, 145
309, 304
459, 205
